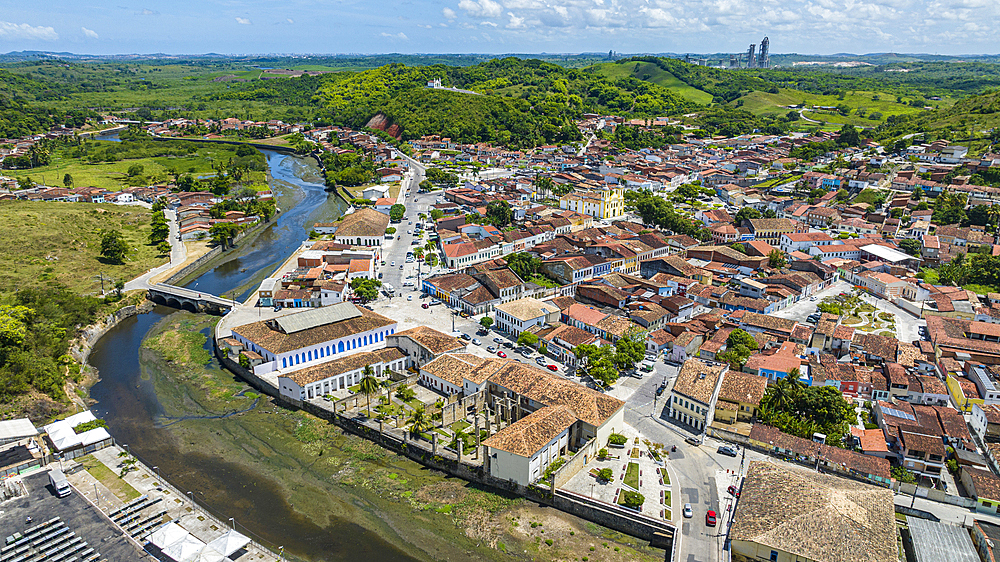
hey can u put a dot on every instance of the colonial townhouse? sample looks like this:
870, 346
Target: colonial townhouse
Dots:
313, 336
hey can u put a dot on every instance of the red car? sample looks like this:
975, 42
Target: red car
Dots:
710, 518
425, 305
732, 490
552, 368
501, 354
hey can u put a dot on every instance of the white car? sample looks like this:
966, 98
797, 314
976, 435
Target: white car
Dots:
688, 512
393, 264
409, 297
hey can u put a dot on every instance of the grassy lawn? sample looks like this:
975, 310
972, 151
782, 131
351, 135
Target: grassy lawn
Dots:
460, 425
632, 475
61, 241
113, 175
120, 488
666, 499
666, 477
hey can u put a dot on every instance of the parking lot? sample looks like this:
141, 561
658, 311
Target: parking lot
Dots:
80, 517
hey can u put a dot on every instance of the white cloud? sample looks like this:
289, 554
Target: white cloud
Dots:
243, 21
489, 23
10, 30
401, 36
485, 8
89, 33
515, 22
449, 14
290, 20
148, 12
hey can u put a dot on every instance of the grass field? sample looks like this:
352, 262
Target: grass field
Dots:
652, 73
120, 488
62, 241
113, 175
872, 101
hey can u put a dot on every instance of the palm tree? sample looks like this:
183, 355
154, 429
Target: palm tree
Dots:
369, 385
419, 422
777, 396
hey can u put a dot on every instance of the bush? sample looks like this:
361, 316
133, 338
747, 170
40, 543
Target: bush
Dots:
605, 474
617, 439
632, 499
603, 453
87, 426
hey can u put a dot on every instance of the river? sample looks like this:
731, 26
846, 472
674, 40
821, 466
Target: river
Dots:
129, 403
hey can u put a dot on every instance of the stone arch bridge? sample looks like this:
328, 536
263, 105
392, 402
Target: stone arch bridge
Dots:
187, 299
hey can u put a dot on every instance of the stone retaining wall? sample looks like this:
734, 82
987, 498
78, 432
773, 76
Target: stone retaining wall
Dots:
661, 534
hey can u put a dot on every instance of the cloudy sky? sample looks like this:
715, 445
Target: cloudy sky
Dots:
499, 26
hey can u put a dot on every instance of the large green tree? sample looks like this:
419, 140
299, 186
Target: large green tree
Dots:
114, 247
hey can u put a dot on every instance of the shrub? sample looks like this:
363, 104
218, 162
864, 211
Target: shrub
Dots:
617, 439
632, 499
603, 453
605, 474
87, 426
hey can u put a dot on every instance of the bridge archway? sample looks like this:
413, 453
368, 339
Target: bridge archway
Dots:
158, 298
189, 306
172, 302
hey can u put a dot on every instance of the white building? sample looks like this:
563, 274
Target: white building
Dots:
313, 336
318, 380
517, 316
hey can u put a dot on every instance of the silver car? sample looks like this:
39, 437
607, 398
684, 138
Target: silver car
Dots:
688, 512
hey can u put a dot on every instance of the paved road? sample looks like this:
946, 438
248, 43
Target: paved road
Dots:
696, 470
907, 326
178, 253
802, 309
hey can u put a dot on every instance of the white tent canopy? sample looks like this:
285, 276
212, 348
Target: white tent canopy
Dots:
167, 535
186, 549
208, 554
229, 543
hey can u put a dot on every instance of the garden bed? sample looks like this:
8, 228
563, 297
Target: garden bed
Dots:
635, 453
631, 478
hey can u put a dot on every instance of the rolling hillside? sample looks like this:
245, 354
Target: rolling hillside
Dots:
650, 72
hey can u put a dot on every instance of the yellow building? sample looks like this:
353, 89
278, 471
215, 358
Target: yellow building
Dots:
964, 398
739, 397
599, 203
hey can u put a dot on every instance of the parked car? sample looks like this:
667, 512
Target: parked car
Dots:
552, 368
732, 490
694, 440
501, 355
393, 264
710, 518
526, 354
408, 297
727, 450
475, 341
466, 337
688, 512
491, 349
660, 389
540, 360
425, 305
497, 340
813, 299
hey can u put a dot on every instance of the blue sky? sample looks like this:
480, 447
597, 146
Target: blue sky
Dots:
499, 26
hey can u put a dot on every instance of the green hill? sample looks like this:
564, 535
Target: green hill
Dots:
650, 72
520, 102
971, 122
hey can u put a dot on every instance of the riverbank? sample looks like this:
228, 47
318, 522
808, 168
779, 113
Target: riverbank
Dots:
337, 481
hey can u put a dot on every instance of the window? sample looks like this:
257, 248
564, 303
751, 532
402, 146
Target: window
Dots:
284, 363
